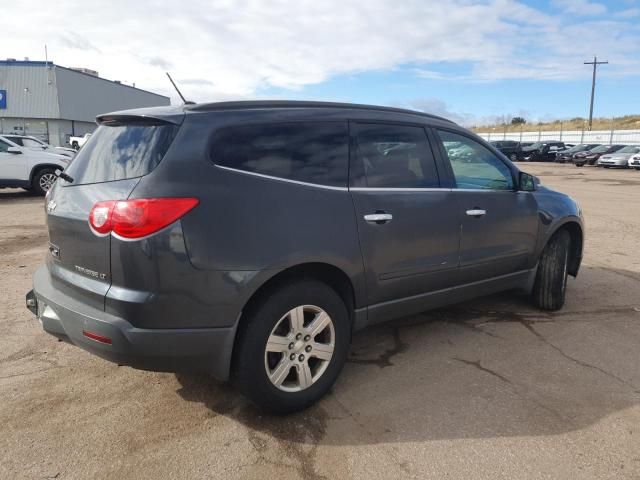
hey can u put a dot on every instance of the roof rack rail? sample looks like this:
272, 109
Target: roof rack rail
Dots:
257, 104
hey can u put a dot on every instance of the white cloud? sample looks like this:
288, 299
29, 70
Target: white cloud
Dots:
629, 13
581, 7
436, 106
230, 49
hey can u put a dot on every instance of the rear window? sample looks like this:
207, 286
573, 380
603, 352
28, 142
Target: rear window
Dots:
310, 152
121, 152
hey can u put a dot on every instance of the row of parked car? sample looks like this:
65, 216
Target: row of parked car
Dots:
616, 155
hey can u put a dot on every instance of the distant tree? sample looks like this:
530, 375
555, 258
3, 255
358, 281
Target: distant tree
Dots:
518, 121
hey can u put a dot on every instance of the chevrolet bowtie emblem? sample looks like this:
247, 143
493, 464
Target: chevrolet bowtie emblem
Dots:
51, 206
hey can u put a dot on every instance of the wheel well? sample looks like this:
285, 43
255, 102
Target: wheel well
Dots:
575, 247
323, 272
38, 168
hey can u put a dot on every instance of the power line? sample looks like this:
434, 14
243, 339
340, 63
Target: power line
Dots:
595, 64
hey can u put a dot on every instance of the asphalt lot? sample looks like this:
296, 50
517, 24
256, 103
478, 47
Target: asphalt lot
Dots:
489, 389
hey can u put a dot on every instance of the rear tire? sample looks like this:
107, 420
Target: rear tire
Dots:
550, 285
513, 157
579, 164
303, 382
43, 181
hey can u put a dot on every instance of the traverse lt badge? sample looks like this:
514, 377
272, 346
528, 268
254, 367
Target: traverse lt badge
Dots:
91, 273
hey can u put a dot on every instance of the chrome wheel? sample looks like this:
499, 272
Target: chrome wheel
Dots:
299, 348
46, 181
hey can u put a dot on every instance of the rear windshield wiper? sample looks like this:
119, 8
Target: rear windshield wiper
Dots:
64, 176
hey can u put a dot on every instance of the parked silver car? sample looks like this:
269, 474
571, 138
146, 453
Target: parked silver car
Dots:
619, 158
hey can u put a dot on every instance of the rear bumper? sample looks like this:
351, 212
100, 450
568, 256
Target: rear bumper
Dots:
169, 350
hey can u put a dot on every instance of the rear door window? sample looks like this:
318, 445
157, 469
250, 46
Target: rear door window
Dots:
393, 156
310, 152
121, 151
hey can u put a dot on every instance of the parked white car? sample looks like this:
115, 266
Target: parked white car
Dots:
36, 144
618, 158
634, 162
77, 142
30, 169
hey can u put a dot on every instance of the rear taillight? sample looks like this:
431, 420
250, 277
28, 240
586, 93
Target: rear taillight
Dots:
137, 218
100, 217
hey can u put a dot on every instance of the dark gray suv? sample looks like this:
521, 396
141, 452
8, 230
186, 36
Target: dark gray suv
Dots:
249, 240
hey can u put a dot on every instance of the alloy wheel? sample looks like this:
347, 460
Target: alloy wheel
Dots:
46, 181
299, 348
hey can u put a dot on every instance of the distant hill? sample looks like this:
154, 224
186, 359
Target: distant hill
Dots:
628, 122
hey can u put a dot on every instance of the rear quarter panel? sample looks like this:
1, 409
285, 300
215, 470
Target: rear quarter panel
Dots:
252, 227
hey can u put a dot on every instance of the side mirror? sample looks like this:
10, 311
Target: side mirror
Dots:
528, 183
14, 150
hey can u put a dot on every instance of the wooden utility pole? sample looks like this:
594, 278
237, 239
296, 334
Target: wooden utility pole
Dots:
595, 64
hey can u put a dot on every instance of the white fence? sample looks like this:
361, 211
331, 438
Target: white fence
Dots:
625, 137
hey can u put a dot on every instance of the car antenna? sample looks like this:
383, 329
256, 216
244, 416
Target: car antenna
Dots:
186, 102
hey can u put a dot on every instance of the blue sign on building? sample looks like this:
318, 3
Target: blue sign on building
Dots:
3, 99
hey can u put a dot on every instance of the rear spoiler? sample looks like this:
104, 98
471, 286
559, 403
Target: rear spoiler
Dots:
142, 118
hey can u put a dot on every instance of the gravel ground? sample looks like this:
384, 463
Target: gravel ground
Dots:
487, 389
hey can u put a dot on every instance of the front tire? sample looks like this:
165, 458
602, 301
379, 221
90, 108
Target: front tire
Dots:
43, 181
550, 286
293, 346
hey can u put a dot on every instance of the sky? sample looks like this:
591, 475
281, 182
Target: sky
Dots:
471, 61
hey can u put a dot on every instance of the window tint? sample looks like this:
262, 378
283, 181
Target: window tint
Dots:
473, 165
394, 156
16, 140
312, 152
4, 146
119, 152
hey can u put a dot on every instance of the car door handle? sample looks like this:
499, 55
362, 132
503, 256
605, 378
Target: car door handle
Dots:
378, 218
476, 212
